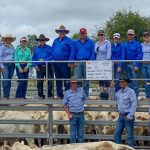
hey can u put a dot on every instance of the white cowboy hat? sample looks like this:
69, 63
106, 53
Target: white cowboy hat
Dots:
8, 36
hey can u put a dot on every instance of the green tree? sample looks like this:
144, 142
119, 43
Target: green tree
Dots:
32, 42
75, 36
123, 20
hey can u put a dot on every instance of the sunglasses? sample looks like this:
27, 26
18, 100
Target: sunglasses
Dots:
41, 40
100, 34
130, 34
62, 31
82, 33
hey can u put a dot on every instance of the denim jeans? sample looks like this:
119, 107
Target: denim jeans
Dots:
77, 128
80, 72
22, 85
131, 74
62, 71
146, 75
117, 75
40, 75
9, 71
122, 123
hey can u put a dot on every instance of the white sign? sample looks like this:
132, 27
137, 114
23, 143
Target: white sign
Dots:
99, 70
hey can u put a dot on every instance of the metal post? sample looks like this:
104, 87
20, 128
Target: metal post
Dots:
46, 80
50, 125
113, 88
0, 86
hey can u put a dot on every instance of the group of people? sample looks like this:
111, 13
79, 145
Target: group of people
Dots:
81, 50
66, 50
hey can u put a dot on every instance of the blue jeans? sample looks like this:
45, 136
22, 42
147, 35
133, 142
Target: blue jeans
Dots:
77, 128
131, 74
80, 72
22, 85
9, 71
122, 123
62, 71
117, 75
146, 75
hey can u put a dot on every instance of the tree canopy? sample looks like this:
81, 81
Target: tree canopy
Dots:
123, 20
32, 42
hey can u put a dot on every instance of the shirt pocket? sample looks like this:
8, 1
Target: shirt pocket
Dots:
126, 100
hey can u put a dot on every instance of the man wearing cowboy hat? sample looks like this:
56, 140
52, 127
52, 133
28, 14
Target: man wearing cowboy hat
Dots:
43, 52
127, 103
63, 50
73, 103
7, 54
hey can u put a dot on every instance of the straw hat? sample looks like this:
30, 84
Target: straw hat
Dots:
8, 36
62, 28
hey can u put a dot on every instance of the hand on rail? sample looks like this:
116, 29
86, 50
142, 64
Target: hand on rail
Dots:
22, 63
71, 65
21, 70
3, 70
25, 69
37, 68
136, 69
118, 69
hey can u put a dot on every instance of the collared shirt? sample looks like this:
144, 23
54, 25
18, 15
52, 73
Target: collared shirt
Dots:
103, 50
42, 54
6, 53
133, 51
146, 51
22, 55
127, 101
63, 49
84, 50
117, 52
74, 100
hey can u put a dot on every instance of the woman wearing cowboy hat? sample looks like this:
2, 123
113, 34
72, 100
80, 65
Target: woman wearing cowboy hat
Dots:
7, 54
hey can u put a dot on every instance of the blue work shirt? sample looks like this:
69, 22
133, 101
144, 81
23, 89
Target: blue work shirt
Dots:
133, 51
146, 51
42, 54
117, 52
63, 49
127, 101
84, 50
74, 100
103, 50
7, 53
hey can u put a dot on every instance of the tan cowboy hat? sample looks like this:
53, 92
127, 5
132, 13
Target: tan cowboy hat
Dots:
62, 28
8, 36
42, 37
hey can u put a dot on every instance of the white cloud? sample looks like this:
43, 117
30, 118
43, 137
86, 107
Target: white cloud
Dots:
44, 16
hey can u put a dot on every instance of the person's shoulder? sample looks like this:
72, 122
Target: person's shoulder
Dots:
89, 39
67, 39
130, 90
55, 40
67, 92
48, 46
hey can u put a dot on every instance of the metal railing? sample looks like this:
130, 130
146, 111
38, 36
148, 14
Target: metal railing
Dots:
50, 106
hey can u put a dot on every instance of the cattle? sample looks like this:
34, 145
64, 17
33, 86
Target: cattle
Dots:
104, 145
